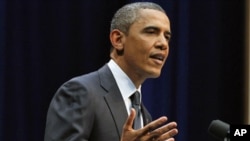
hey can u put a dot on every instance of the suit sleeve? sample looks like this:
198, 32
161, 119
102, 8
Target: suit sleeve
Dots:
70, 115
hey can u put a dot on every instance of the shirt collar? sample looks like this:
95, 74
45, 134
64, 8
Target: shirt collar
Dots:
125, 85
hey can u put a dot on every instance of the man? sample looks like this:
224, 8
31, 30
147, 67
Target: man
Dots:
98, 106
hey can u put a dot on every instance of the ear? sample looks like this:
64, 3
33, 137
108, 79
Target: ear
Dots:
117, 38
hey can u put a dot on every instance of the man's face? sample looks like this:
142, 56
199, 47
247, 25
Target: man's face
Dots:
146, 46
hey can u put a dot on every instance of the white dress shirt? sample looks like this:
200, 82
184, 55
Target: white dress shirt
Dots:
125, 85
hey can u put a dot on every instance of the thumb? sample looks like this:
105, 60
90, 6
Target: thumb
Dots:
130, 120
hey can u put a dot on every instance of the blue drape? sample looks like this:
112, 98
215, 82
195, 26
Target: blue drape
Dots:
45, 43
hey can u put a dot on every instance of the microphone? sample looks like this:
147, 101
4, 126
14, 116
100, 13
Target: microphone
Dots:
219, 130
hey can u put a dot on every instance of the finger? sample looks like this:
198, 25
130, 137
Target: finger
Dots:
171, 139
129, 122
166, 128
153, 125
165, 137
167, 131
170, 134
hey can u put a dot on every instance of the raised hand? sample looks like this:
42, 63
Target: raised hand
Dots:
154, 131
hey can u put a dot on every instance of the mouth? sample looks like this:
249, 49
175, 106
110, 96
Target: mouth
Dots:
158, 57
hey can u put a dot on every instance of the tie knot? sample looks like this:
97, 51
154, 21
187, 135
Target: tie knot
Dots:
135, 98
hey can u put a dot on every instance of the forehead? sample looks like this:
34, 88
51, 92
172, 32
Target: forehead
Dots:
151, 17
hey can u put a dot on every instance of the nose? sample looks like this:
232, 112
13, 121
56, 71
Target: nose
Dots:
162, 43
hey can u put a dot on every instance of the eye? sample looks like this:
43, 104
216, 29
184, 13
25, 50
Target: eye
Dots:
150, 31
168, 36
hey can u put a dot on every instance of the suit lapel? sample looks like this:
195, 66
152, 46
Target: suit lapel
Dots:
113, 98
118, 110
115, 101
146, 115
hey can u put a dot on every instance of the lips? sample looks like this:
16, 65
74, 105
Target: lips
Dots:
158, 56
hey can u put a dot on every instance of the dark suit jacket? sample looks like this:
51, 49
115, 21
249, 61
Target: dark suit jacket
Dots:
88, 108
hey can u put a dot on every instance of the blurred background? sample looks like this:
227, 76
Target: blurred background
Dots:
44, 43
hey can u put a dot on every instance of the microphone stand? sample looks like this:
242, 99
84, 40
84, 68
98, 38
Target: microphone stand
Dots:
227, 138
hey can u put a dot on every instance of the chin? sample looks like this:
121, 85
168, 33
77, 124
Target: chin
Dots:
155, 75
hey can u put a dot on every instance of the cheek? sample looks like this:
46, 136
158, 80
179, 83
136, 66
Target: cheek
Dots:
143, 52
139, 48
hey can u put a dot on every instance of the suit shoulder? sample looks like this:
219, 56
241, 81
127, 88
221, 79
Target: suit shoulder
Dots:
92, 79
